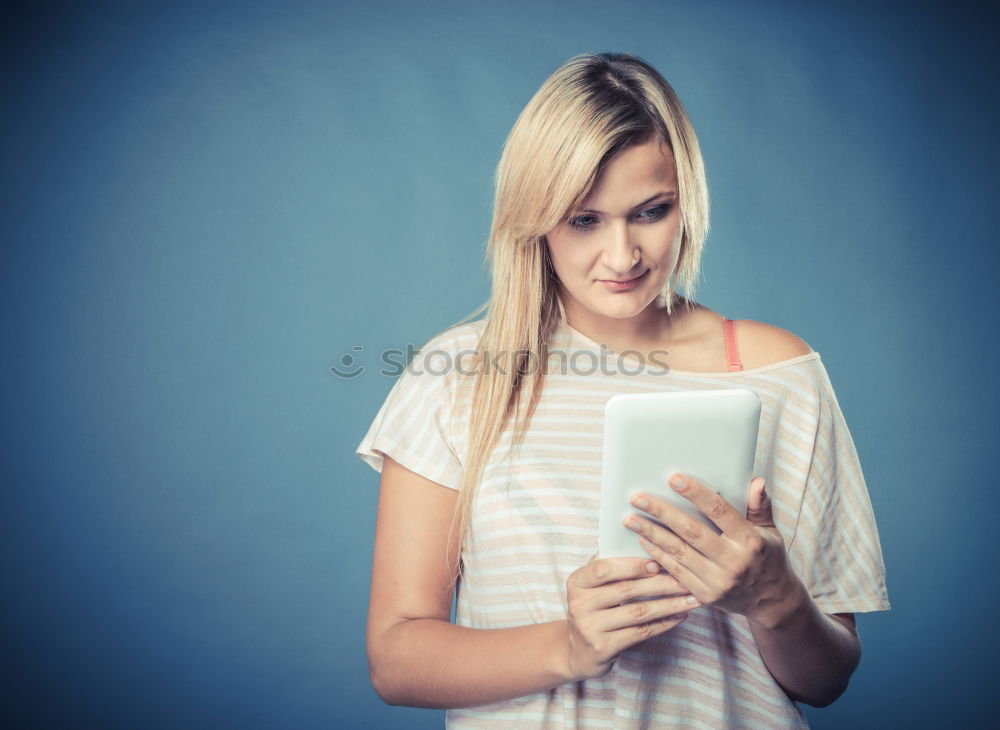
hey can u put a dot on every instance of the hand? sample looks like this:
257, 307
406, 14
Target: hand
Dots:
601, 625
744, 570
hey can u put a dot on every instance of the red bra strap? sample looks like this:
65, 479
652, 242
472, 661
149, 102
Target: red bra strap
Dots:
732, 354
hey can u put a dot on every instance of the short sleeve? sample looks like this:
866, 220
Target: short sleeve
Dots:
835, 547
414, 424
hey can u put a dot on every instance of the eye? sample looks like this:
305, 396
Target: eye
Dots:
649, 215
654, 214
582, 223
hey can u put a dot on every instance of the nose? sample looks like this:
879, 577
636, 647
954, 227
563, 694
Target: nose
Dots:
620, 255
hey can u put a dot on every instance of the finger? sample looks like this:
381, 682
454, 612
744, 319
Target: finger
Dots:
605, 570
641, 612
682, 573
692, 531
706, 568
618, 592
711, 504
759, 509
662, 584
622, 591
629, 636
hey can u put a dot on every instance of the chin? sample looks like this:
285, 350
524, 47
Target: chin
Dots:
622, 311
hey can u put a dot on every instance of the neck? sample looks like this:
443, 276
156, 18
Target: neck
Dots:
650, 328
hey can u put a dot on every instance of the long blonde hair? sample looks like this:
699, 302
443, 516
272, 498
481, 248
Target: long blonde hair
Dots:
591, 108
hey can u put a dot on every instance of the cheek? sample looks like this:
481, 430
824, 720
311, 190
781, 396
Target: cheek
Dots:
667, 249
675, 237
675, 256
675, 246
555, 256
563, 256
664, 243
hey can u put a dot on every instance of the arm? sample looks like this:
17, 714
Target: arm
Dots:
811, 654
745, 570
417, 657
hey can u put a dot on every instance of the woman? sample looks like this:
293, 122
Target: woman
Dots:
490, 462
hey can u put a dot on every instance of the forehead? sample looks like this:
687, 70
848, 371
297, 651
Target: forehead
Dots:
633, 171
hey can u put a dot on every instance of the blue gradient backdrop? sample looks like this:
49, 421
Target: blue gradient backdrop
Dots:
205, 206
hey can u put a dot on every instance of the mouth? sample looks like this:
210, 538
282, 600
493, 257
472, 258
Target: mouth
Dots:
621, 285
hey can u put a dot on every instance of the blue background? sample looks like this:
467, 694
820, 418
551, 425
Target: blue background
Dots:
205, 206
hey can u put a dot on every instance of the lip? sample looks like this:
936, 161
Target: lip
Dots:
616, 285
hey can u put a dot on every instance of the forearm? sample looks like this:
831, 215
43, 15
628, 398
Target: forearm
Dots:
811, 654
433, 663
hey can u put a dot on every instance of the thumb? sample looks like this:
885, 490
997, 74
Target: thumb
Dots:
759, 504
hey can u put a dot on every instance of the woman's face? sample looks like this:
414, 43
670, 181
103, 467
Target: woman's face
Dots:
627, 228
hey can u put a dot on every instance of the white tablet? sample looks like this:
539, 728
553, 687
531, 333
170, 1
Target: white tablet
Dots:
710, 435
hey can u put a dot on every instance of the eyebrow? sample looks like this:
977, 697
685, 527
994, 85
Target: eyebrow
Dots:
647, 200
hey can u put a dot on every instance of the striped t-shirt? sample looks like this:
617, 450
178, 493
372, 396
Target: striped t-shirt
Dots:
535, 521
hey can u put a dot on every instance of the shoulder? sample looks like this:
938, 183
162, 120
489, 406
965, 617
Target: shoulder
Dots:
456, 337
448, 352
762, 344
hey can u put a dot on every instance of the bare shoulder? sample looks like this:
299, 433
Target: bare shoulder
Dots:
698, 342
762, 344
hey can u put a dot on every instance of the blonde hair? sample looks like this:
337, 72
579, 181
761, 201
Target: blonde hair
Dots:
590, 109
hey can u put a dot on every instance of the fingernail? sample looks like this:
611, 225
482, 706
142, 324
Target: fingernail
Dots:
693, 601
641, 502
632, 523
677, 481
652, 567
